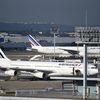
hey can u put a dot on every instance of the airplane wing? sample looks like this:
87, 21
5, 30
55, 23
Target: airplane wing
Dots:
70, 51
32, 49
3, 69
46, 71
36, 72
33, 70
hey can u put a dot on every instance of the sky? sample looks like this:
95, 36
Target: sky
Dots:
69, 12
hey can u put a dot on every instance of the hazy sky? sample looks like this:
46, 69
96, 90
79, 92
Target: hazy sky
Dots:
70, 12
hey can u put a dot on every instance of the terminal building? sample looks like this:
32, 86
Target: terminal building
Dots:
88, 35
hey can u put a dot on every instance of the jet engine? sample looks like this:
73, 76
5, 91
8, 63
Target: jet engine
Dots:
10, 72
38, 74
41, 75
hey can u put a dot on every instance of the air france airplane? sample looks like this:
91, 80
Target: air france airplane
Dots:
43, 69
60, 50
49, 49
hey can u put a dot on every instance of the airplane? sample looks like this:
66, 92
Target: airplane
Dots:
50, 50
43, 69
62, 51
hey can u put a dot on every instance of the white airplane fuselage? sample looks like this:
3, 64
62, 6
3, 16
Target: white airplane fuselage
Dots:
54, 68
65, 50
50, 50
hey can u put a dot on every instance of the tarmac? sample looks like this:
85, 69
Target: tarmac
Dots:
27, 98
24, 55
39, 89
23, 84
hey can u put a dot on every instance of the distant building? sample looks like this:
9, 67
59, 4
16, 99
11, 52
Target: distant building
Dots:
1, 39
45, 40
87, 35
2, 36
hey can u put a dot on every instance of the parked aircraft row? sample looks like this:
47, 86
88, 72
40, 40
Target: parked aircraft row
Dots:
43, 69
60, 50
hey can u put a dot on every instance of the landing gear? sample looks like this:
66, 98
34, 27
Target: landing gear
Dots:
78, 72
46, 77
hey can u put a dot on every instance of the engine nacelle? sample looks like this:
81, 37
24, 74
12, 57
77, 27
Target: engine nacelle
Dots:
38, 74
41, 75
10, 72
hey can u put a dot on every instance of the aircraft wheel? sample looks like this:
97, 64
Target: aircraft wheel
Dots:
78, 72
45, 77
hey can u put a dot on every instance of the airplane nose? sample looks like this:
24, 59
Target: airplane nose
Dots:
95, 71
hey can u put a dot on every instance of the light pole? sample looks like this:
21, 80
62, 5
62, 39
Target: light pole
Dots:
85, 73
54, 31
54, 44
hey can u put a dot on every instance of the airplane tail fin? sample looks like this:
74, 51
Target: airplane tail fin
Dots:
2, 55
33, 41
